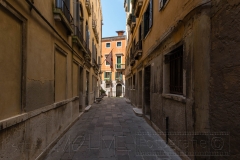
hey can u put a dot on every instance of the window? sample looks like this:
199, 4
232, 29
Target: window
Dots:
107, 75
118, 76
108, 45
119, 44
107, 63
134, 79
148, 18
119, 61
176, 71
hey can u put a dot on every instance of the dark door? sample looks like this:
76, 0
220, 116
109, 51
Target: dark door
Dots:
147, 85
80, 89
118, 90
140, 89
87, 87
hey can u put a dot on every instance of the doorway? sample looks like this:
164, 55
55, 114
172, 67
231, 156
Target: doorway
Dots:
87, 88
147, 84
81, 89
118, 90
140, 89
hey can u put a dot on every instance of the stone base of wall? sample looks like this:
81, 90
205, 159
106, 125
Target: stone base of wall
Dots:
170, 142
29, 135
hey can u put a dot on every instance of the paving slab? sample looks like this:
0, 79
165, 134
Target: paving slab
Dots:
111, 131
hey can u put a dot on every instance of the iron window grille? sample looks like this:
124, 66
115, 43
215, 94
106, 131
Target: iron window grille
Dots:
176, 71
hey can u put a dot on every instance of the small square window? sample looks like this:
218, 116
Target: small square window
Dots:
119, 44
108, 45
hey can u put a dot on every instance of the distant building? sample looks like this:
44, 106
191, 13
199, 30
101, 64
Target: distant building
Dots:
113, 80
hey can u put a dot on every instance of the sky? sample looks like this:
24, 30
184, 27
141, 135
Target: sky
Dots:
114, 17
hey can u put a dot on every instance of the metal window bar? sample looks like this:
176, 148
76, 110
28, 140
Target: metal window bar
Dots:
79, 34
61, 4
176, 72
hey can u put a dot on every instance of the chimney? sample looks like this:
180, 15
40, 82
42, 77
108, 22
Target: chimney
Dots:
120, 33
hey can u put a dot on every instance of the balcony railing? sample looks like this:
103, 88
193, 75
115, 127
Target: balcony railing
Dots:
131, 21
120, 66
132, 59
94, 26
61, 4
88, 6
82, 43
138, 50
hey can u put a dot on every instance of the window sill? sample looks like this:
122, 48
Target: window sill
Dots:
175, 97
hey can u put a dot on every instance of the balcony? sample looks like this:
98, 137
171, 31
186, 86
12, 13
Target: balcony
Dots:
132, 59
88, 6
120, 66
79, 40
62, 13
138, 50
137, 5
131, 22
108, 80
94, 27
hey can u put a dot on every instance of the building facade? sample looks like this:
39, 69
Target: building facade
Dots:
176, 56
49, 51
113, 80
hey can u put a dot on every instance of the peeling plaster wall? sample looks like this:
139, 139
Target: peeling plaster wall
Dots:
188, 112
225, 73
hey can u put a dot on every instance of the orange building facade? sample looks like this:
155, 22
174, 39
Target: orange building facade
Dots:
113, 80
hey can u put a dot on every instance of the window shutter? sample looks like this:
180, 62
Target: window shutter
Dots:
104, 74
78, 16
151, 14
142, 29
145, 23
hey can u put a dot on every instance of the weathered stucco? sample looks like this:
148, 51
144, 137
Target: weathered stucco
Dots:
10, 64
225, 73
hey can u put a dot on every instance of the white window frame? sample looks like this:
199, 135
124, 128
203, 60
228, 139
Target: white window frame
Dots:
107, 43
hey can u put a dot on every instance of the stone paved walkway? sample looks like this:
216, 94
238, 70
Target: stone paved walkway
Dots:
110, 130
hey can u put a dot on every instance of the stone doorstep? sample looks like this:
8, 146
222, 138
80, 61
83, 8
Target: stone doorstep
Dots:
88, 108
138, 111
127, 100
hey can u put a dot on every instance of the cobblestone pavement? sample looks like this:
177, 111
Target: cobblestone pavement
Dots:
110, 130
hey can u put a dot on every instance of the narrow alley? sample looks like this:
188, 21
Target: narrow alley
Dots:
111, 130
